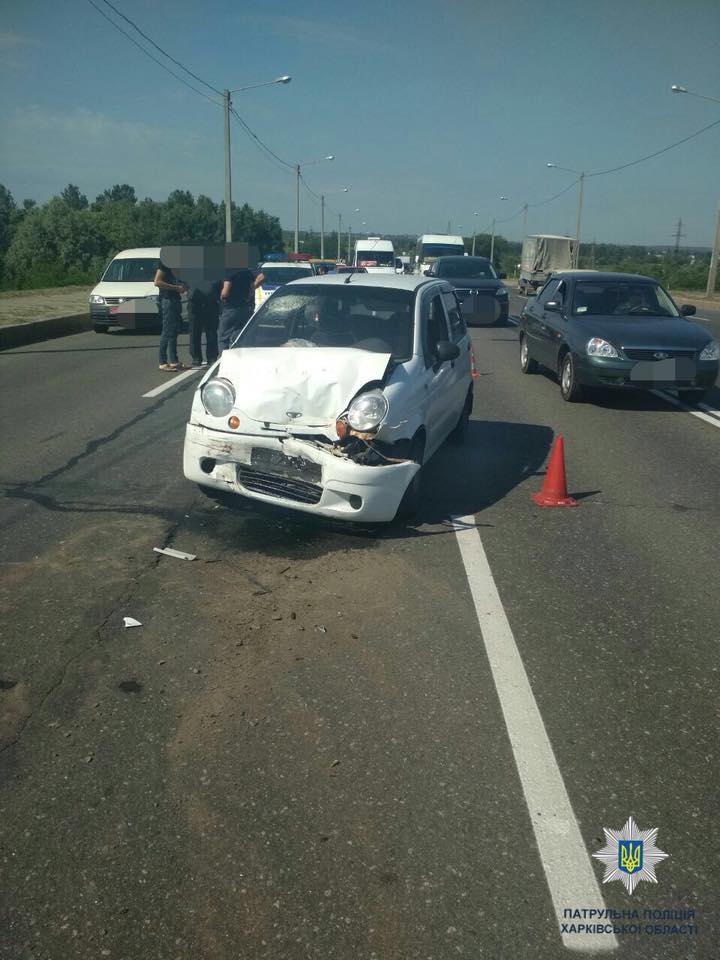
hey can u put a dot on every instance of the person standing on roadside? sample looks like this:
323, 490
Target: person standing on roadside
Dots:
236, 303
203, 313
170, 290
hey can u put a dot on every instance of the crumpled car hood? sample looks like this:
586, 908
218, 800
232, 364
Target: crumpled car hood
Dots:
298, 386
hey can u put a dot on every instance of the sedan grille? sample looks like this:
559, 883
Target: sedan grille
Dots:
273, 486
648, 353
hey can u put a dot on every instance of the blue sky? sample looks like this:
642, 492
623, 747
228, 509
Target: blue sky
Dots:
433, 109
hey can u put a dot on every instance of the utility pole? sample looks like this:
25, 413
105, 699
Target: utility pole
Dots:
322, 226
525, 210
577, 227
339, 232
228, 187
712, 273
349, 241
492, 241
297, 207
678, 233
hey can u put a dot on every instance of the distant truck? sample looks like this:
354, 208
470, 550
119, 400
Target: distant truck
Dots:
430, 246
375, 254
543, 254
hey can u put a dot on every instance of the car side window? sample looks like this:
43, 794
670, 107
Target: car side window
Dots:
548, 291
457, 324
434, 327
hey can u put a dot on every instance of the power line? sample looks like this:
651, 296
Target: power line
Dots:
148, 54
160, 49
260, 143
632, 163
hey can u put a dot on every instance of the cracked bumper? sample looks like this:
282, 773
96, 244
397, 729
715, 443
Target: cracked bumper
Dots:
331, 486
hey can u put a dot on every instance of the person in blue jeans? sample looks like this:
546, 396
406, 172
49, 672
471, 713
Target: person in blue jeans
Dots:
170, 290
236, 303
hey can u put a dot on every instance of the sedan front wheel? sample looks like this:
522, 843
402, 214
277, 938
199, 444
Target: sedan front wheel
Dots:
569, 386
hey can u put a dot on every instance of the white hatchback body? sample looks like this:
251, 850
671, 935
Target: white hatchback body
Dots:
280, 441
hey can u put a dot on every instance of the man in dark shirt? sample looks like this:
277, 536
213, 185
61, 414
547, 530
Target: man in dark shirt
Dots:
236, 303
169, 289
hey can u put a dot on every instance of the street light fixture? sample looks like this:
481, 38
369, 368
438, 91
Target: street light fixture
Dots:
305, 163
715, 255
226, 110
581, 175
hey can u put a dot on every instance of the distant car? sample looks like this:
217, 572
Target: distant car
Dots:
126, 295
333, 396
483, 295
615, 330
276, 275
342, 268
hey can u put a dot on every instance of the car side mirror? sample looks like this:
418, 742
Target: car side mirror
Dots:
502, 275
444, 351
553, 306
688, 310
427, 273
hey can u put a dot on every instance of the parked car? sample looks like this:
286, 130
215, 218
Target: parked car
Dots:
126, 294
615, 330
333, 396
483, 295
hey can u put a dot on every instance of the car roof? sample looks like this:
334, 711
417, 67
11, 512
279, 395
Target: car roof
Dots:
593, 275
152, 253
460, 256
287, 263
391, 281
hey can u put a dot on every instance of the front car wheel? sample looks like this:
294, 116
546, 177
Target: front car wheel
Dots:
569, 386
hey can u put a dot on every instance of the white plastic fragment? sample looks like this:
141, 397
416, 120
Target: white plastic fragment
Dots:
131, 622
178, 554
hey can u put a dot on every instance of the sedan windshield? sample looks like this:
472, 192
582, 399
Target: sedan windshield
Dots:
131, 270
365, 318
466, 267
277, 276
621, 298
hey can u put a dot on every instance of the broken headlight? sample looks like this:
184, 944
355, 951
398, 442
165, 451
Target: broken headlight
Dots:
367, 411
218, 396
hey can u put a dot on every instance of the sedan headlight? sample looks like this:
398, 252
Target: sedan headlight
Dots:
218, 396
597, 347
367, 411
711, 351
97, 299
501, 292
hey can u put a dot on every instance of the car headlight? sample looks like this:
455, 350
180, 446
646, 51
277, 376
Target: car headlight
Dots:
367, 411
501, 292
218, 396
597, 347
97, 299
711, 351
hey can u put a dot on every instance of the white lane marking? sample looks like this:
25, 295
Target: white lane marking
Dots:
568, 870
714, 420
174, 382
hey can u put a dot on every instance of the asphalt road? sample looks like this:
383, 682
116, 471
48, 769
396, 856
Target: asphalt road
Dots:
304, 751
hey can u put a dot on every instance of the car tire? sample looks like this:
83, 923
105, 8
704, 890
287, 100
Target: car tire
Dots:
410, 503
101, 327
458, 434
570, 389
527, 364
692, 396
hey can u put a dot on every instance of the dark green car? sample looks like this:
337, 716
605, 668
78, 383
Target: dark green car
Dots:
615, 330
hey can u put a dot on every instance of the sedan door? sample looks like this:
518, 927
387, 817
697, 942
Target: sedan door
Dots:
440, 380
543, 346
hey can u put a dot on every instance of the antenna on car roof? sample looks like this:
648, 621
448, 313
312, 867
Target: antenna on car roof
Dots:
347, 278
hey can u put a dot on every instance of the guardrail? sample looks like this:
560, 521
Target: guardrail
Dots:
20, 334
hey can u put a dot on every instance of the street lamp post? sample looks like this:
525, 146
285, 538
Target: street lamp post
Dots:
305, 163
492, 238
227, 103
349, 256
322, 222
715, 255
581, 175
476, 214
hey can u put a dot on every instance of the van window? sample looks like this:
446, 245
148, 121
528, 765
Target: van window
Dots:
375, 258
131, 270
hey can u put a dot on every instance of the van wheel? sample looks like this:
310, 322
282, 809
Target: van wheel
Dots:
410, 503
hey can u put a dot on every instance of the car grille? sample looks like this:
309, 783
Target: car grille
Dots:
648, 353
273, 486
115, 300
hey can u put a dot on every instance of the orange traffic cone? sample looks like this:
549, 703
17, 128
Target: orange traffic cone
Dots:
473, 370
554, 489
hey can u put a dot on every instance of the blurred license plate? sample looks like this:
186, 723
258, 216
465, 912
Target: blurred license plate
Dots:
667, 371
295, 468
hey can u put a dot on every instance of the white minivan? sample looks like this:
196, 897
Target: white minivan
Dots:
126, 295
376, 255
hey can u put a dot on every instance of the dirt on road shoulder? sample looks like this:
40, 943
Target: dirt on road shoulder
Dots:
21, 306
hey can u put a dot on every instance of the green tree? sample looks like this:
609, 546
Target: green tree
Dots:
120, 191
73, 198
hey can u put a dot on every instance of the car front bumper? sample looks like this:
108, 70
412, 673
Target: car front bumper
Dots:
341, 488
672, 373
484, 309
129, 314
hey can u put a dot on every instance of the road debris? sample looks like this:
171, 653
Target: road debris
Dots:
131, 622
322, 629
178, 554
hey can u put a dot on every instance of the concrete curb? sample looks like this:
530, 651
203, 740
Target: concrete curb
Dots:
20, 334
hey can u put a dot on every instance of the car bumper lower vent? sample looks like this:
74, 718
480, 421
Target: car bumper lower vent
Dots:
273, 486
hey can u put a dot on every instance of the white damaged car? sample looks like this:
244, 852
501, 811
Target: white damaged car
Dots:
335, 393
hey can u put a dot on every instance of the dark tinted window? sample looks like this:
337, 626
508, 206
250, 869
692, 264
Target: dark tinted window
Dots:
548, 291
131, 270
457, 324
465, 267
276, 276
435, 327
440, 250
621, 298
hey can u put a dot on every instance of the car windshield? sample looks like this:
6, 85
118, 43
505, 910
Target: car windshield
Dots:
466, 267
277, 276
337, 315
375, 258
441, 250
131, 270
621, 298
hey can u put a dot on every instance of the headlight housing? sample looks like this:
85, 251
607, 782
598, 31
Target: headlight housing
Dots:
95, 298
501, 292
367, 411
597, 347
218, 396
711, 351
